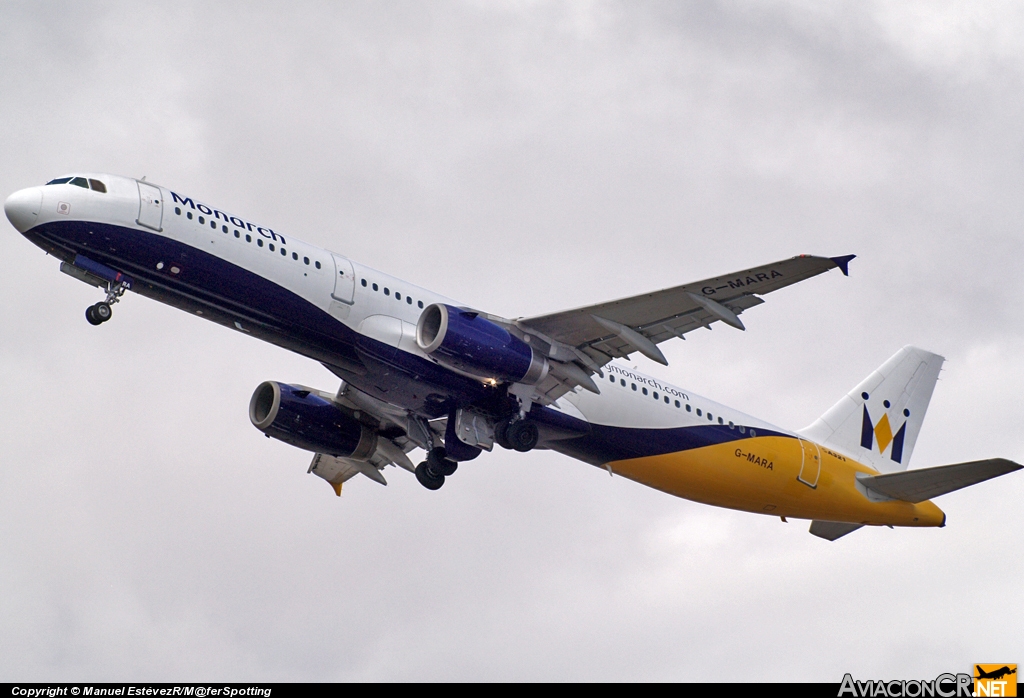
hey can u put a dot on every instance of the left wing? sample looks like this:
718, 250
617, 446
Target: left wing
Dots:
585, 339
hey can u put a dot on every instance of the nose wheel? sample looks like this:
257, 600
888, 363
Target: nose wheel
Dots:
99, 313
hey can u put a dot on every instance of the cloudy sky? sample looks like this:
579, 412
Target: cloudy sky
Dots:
523, 157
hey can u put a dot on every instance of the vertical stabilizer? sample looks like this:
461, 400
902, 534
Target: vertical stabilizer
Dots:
877, 423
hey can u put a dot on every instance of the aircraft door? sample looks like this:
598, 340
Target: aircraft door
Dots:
344, 280
151, 207
810, 467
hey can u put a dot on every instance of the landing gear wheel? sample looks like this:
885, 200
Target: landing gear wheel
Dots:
428, 478
523, 435
501, 434
102, 311
98, 314
438, 461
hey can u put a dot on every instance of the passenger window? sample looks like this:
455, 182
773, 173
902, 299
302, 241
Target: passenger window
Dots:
408, 300
645, 391
224, 229
80, 182
611, 378
363, 282
62, 180
623, 381
698, 412
97, 185
753, 434
666, 399
259, 243
677, 404
710, 418
655, 395
634, 386
398, 296
295, 256
202, 220
419, 303
188, 214
177, 211
688, 408
720, 421
248, 237
376, 287
743, 429
284, 252
317, 265
387, 291
213, 224
237, 234
271, 247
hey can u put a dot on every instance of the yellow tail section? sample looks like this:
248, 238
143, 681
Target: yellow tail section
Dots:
779, 476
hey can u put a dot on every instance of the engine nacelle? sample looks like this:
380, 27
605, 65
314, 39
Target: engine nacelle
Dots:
303, 419
468, 342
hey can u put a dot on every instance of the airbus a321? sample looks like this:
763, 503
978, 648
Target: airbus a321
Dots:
420, 371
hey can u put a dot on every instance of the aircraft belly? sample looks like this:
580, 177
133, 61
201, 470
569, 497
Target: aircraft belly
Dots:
208, 285
760, 475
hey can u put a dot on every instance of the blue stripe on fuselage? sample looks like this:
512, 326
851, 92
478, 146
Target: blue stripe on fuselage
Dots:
227, 293
602, 443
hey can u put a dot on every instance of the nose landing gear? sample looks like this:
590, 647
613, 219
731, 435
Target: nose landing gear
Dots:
101, 312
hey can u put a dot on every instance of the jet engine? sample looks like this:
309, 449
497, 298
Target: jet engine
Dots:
466, 341
302, 418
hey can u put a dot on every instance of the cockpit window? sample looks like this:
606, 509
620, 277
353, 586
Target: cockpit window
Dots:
97, 185
61, 180
80, 182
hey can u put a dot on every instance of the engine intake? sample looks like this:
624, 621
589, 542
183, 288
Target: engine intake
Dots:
303, 419
466, 341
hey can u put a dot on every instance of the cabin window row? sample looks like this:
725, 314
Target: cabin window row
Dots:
387, 292
248, 238
668, 401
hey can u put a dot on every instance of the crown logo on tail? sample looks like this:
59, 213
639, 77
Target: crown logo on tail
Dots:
880, 433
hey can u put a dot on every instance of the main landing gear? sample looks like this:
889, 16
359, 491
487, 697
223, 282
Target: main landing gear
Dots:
432, 472
517, 434
101, 312
514, 434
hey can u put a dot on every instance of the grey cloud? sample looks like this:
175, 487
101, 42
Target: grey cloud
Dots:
523, 158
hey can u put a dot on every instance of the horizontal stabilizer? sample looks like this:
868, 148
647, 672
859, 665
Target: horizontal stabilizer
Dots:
926, 483
831, 530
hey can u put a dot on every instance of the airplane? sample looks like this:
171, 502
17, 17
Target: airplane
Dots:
995, 674
421, 371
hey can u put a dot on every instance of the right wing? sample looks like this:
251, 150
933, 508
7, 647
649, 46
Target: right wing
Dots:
585, 339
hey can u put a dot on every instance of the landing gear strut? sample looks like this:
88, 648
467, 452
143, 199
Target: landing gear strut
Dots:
101, 312
432, 472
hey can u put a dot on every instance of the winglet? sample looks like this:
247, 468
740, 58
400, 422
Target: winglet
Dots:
843, 263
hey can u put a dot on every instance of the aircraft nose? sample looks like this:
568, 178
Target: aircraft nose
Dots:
22, 208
